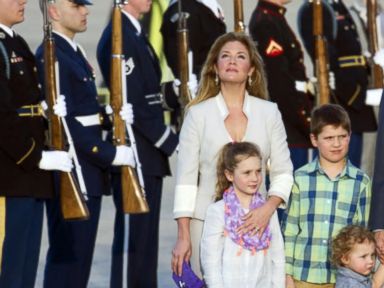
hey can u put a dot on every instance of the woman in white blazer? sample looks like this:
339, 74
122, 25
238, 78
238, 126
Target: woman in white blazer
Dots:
230, 106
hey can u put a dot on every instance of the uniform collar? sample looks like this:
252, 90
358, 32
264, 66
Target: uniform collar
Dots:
134, 21
7, 30
272, 7
66, 38
224, 109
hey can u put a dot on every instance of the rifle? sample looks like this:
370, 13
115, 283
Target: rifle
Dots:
321, 55
73, 206
239, 16
183, 48
376, 80
132, 192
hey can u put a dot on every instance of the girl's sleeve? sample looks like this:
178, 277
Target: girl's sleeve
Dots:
212, 246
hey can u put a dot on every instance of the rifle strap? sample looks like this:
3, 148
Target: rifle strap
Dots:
6, 60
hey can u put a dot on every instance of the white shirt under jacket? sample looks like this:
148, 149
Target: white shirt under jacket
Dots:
222, 266
202, 136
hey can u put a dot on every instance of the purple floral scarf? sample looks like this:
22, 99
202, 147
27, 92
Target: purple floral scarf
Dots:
233, 213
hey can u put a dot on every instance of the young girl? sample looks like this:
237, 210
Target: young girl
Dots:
229, 259
353, 252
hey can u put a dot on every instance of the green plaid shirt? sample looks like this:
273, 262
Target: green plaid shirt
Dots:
319, 207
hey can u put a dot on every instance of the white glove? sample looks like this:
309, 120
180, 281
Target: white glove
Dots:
331, 80
373, 97
108, 109
379, 58
175, 85
124, 156
56, 160
60, 108
44, 107
126, 113
301, 86
193, 85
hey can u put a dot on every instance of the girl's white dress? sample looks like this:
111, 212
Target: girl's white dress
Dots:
224, 267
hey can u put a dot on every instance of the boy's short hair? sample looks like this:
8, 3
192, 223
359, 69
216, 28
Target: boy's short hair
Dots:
344, 241
329, 114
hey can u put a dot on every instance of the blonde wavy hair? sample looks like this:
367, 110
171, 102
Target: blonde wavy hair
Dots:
208, 88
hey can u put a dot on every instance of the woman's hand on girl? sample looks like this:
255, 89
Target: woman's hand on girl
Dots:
257, 220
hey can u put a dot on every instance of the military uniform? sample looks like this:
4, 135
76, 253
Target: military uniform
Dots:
204, 27
71, 244
283, 58
155, 142
22, 183
349, 66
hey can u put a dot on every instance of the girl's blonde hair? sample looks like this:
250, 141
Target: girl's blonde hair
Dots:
230, 155
344, 241
208, 88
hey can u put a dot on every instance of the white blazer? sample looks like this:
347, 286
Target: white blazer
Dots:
202, 136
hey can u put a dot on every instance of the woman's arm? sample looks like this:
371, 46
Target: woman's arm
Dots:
185, 191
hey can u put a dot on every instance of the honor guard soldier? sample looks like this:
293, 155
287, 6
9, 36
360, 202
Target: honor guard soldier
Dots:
348, 65
71, 243
288, 84
155, 143
205, 23
24, 183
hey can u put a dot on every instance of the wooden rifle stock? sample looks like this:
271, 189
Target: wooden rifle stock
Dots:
376, 80
183, 48
132, 193
73, 206
239, 16
321, 55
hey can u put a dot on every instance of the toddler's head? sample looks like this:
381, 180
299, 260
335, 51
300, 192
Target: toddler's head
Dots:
354, 248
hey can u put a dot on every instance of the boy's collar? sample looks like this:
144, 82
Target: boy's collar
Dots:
348, 170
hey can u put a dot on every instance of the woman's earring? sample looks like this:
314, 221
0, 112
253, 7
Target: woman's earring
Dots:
249, 80
217, 80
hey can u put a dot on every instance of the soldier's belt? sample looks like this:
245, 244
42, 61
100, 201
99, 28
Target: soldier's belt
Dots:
30, 111
350, 61
89, 120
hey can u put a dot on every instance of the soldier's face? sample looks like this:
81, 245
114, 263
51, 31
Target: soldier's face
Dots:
12, 11
233, 63
69, 18
138, 7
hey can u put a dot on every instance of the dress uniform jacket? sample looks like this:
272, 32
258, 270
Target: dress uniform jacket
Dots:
346, 61
84, 115
203, 28
376, 219
283, 58
155, 141
22, 137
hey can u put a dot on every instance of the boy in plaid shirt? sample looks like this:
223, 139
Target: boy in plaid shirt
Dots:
328, 194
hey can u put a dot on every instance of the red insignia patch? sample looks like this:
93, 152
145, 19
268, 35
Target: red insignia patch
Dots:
274, 49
